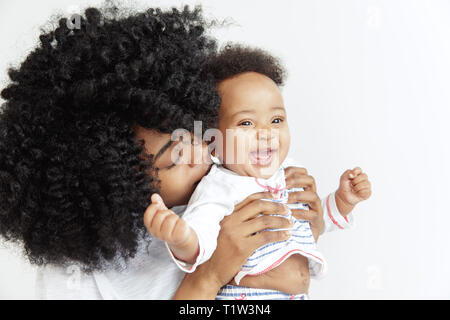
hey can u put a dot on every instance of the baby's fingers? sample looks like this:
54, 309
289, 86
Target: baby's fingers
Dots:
355, 172
156, 205
362, 185
149, 214
180, 231
365, 193
167, 227
159, 227
363, 189
360, 178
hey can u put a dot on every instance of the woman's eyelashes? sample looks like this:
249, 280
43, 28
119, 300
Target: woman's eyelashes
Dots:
173, 156
173, 164
177, 153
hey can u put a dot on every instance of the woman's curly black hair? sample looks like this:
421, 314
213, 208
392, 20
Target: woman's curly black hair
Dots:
74, 183
234, 59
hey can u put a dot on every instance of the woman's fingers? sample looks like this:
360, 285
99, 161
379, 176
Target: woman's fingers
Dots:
308, 215
252, 197
290, 170
267, 237
256, 207
309, 197
265, 222
299, 178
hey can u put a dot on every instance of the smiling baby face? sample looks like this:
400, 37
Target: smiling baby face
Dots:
253, 120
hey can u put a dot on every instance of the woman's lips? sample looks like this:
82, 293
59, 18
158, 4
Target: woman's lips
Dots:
262, 157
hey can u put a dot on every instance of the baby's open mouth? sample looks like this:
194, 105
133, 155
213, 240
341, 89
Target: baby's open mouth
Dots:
262, 157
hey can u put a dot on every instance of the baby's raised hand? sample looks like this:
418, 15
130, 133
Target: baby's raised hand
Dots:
164, 224
354, 187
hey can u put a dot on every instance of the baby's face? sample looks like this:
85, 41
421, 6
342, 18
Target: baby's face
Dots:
252, 110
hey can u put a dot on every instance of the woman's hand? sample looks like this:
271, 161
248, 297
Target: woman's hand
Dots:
240, 235
298, 178
292, 276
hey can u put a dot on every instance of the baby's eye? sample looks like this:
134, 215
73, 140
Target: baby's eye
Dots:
245, 123
277, 120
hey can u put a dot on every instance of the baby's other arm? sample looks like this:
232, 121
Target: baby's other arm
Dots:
165, 225
354, 187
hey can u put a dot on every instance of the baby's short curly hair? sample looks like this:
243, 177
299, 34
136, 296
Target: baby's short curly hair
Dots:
235, 59
74, 183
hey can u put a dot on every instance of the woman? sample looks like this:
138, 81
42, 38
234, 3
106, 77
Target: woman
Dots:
84, 138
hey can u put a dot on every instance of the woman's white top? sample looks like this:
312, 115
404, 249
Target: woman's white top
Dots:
150, 275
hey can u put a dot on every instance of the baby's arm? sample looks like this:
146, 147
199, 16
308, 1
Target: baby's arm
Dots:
165, 225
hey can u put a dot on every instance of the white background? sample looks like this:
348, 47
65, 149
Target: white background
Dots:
368, 86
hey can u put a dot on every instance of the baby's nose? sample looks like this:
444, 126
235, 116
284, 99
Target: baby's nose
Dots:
267, 134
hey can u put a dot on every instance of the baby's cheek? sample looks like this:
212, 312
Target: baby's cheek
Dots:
285, 142
285, 138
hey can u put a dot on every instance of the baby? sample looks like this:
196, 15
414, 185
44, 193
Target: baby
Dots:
252, 158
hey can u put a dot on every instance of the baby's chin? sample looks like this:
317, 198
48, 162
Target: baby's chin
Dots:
264, 172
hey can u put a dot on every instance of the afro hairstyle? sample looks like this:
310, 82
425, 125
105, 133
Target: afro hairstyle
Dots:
74, 179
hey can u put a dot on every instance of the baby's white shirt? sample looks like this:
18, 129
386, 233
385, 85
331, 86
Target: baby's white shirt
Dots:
215, 197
